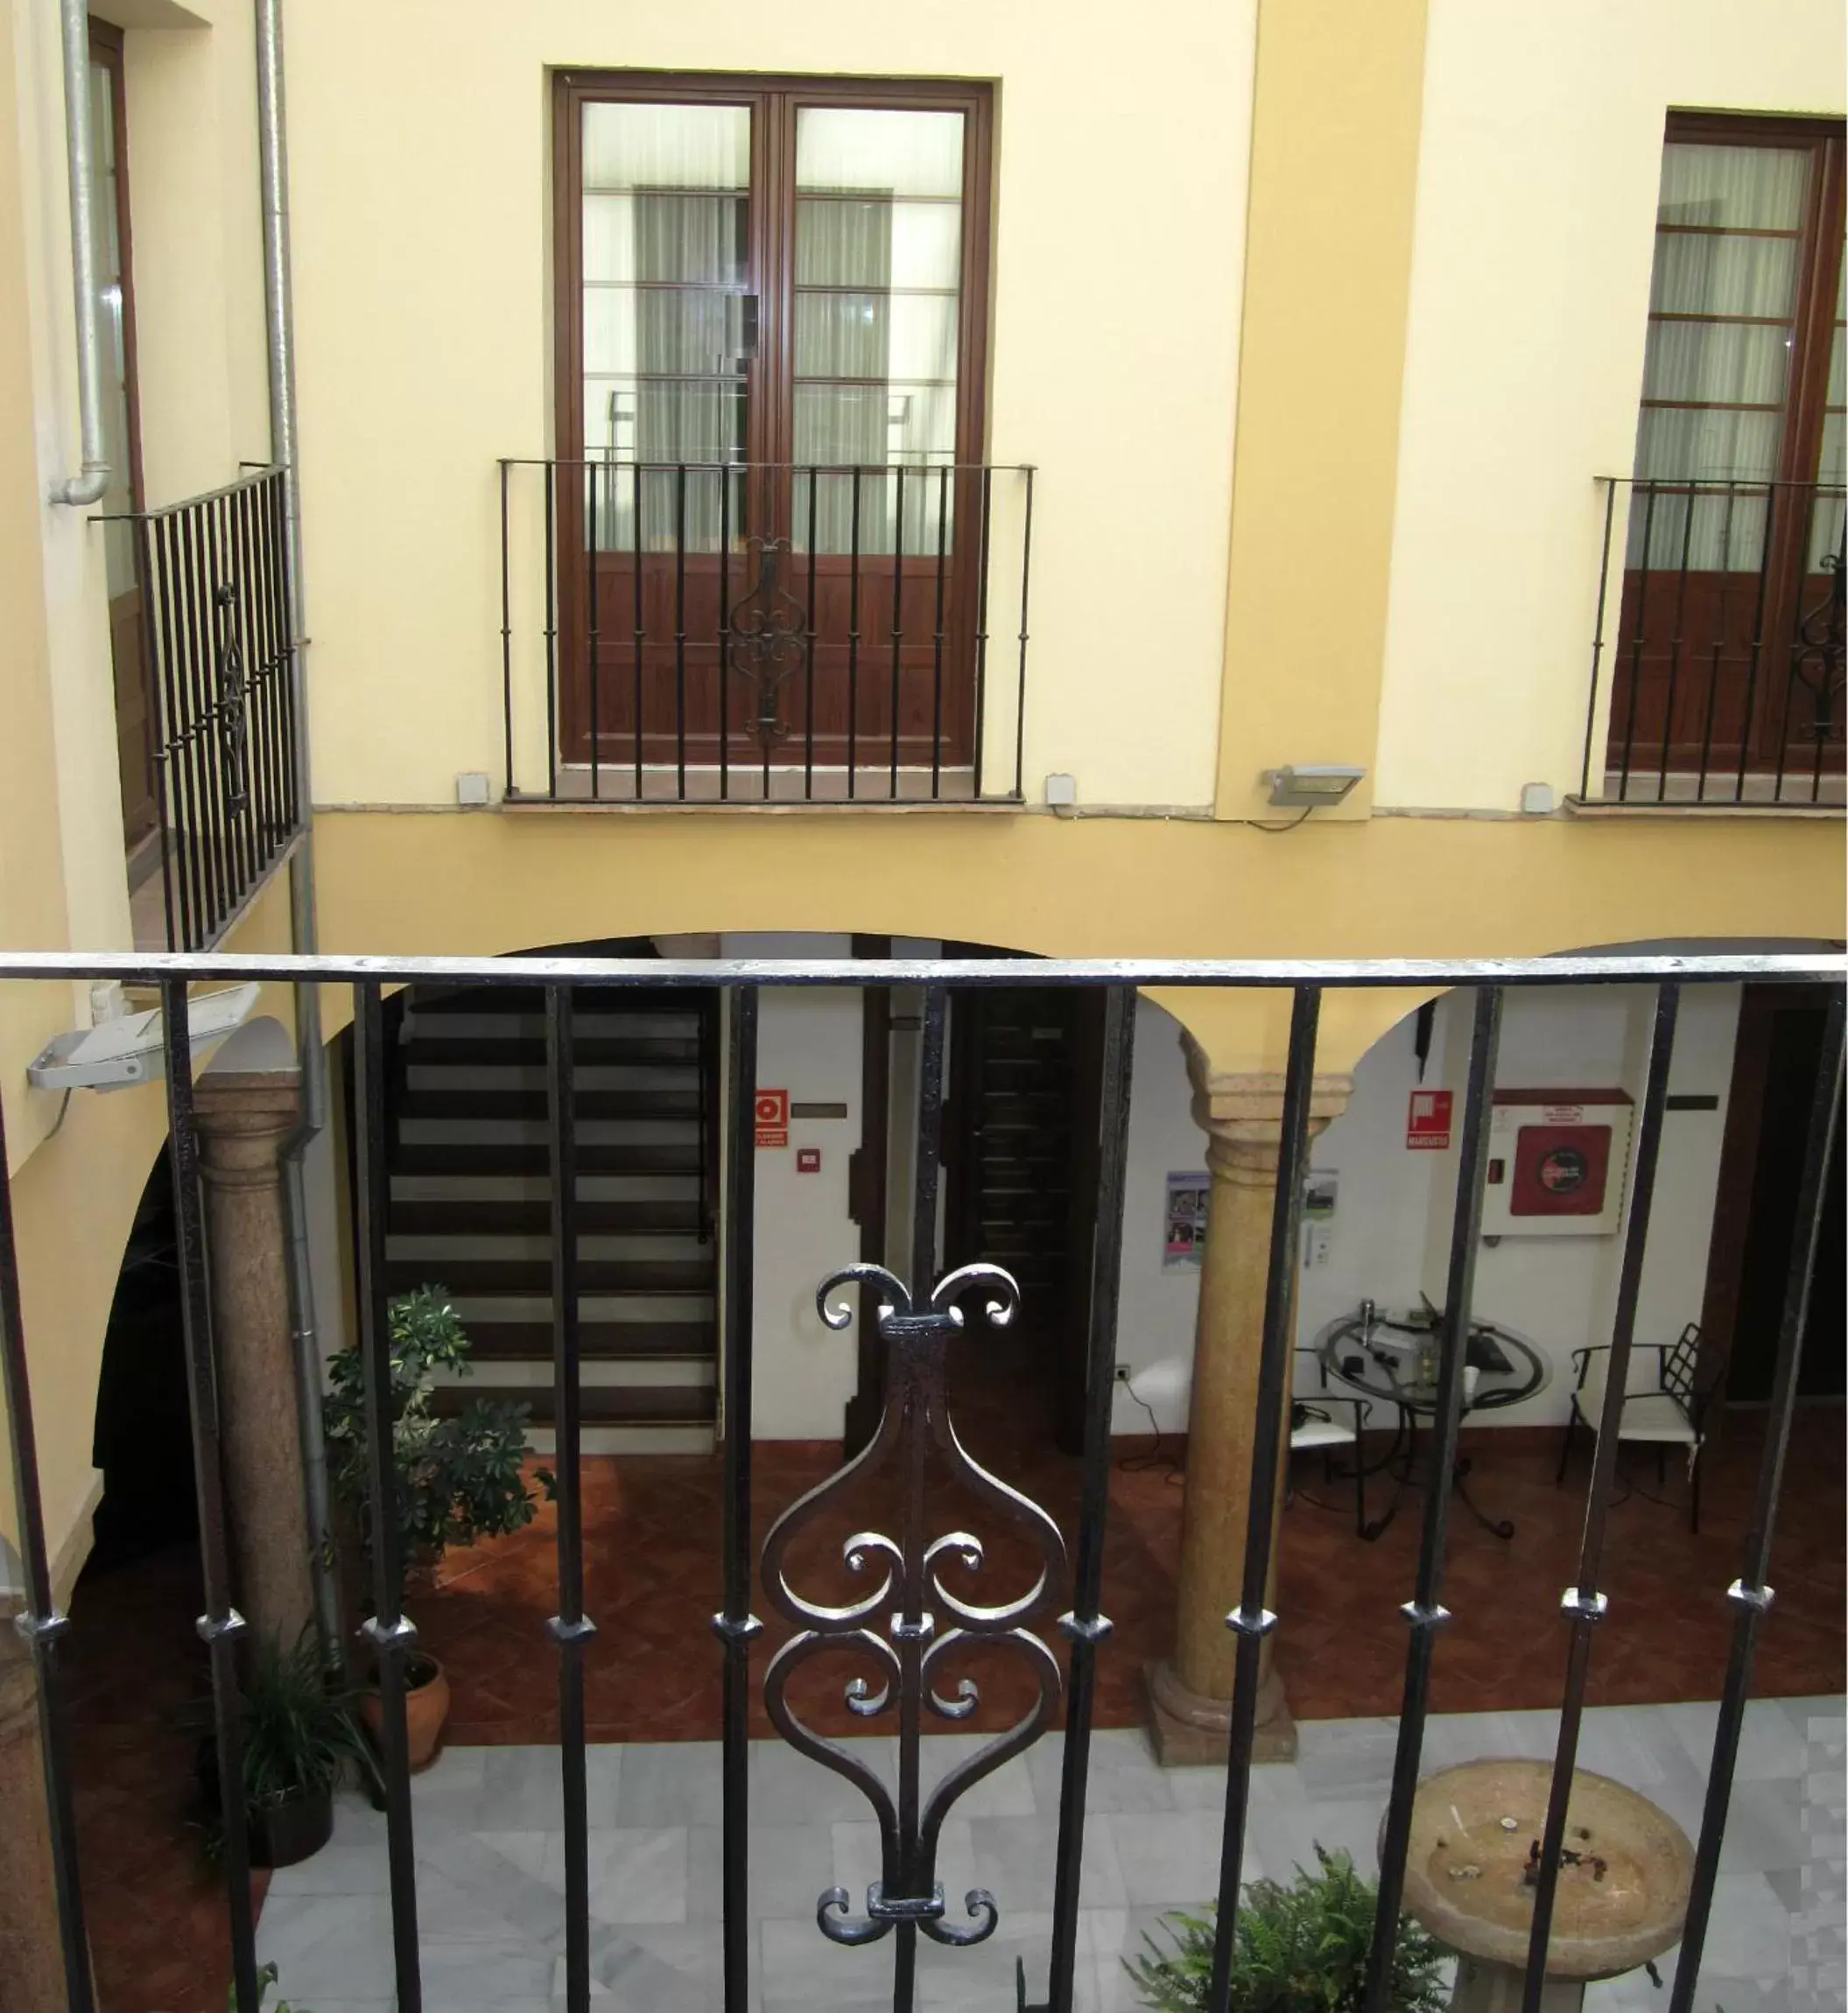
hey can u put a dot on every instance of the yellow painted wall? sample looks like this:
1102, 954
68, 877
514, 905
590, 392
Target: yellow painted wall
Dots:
421, 179
1541, 146
73, 1203
1334, 160
432, 883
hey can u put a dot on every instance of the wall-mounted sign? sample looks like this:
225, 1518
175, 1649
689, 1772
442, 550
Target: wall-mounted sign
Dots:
808, 1160
1184, 1234
1428, 1124
773, 1118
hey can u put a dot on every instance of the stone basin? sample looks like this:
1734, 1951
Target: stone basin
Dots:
1622, 1902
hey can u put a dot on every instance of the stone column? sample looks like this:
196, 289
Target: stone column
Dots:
1191, 1693
247, 1102
31, 1958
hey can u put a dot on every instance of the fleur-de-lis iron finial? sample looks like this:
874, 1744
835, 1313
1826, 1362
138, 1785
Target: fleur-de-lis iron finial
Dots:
910, 1658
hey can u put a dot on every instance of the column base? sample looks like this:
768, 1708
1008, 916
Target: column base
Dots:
1191, 1731
1486, 1988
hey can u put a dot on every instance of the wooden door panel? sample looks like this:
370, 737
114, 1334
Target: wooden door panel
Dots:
1708, 674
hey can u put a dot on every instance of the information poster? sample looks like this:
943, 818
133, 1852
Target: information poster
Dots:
1185, 1233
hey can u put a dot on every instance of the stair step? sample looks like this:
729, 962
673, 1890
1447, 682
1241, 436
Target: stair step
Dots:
521, 1157
599, 1405
476, 1131
598, 1340
664, 1102
612, 1002
514, 1050
438, 1217
501, 1188
533, 1276
486, 1313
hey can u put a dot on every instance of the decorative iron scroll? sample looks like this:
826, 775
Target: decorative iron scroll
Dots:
907, 1660
234, 739
767, 639
1818, 661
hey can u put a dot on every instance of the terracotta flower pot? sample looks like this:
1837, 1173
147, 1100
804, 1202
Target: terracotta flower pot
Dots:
426, 1706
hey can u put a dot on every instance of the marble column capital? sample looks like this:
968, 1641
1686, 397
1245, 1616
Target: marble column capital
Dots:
1241, 1113
244, 1118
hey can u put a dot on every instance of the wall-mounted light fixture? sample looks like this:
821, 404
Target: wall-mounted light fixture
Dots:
1312, 785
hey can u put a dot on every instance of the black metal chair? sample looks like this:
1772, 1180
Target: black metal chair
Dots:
1313, 1423
1672, 1411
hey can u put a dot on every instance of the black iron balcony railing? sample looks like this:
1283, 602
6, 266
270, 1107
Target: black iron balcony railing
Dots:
742, 633
891, 1630
1717, 659
215, 629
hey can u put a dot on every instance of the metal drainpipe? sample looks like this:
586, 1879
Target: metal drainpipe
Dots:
88, 485
272, 140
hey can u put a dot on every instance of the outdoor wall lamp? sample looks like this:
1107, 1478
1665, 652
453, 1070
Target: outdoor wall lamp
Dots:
1312, 785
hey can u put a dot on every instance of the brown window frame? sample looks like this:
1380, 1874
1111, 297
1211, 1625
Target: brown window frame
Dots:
774, 102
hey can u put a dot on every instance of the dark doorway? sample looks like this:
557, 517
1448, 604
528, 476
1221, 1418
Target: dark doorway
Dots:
1020, 1177
1773, 1088
142, 1442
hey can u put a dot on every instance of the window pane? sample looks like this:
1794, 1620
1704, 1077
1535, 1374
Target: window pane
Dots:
878, 260
1734, 189
1699, 274
666, 227
1734, 363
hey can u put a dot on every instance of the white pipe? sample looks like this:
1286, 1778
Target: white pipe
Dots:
88, 485
278, 312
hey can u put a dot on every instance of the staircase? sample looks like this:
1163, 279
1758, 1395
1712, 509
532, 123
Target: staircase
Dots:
470, 1208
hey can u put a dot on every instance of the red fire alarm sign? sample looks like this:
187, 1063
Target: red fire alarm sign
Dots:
808, 1160
1428, 1126
773, 1118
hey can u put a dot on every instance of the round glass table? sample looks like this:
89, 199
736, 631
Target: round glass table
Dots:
1391, 1355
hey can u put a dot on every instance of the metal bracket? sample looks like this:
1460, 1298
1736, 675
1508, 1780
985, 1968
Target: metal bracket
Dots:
746, 1628
1584, 1607
1240, 1623
41, 1629
211, 1627
398, 1635
1755, 1597
1094, 1631
562, 1631
1421, 1617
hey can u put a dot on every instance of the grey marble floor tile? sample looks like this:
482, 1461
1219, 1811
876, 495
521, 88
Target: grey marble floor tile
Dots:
788, 1787
330, 1947
1016, 1858
1347, 1758
790, 1867
801, 1967
672, 1782
1205, 1788
634, 1876
1123, 1774
1007, 1793
1168, 1859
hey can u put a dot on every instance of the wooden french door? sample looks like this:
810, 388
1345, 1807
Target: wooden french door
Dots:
770, 312
1728, 642
137, 719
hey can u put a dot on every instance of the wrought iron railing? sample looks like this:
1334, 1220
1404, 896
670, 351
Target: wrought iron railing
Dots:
212, 574
892, 1630
1717, 656
742, 633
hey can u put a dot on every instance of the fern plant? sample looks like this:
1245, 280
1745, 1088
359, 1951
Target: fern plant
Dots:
457, 1478
1300, 1948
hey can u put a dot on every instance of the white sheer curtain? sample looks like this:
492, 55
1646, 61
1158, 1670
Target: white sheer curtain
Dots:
878, 260
666, 215
1721, 376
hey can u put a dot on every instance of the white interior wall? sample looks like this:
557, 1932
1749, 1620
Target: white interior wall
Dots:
1390, 1234
808, 1043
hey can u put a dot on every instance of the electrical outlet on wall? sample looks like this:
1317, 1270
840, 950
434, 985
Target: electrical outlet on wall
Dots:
1121, 1374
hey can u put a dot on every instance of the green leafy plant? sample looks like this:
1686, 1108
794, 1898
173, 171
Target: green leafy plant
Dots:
1298, 1949
265, 1979
300, 1735
457, 1478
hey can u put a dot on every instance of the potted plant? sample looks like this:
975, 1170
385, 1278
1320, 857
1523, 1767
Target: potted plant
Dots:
1298, 1949
456, 1477
300, 1737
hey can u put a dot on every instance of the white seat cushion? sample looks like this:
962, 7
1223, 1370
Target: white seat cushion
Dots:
1322, 1433
1655, 1415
